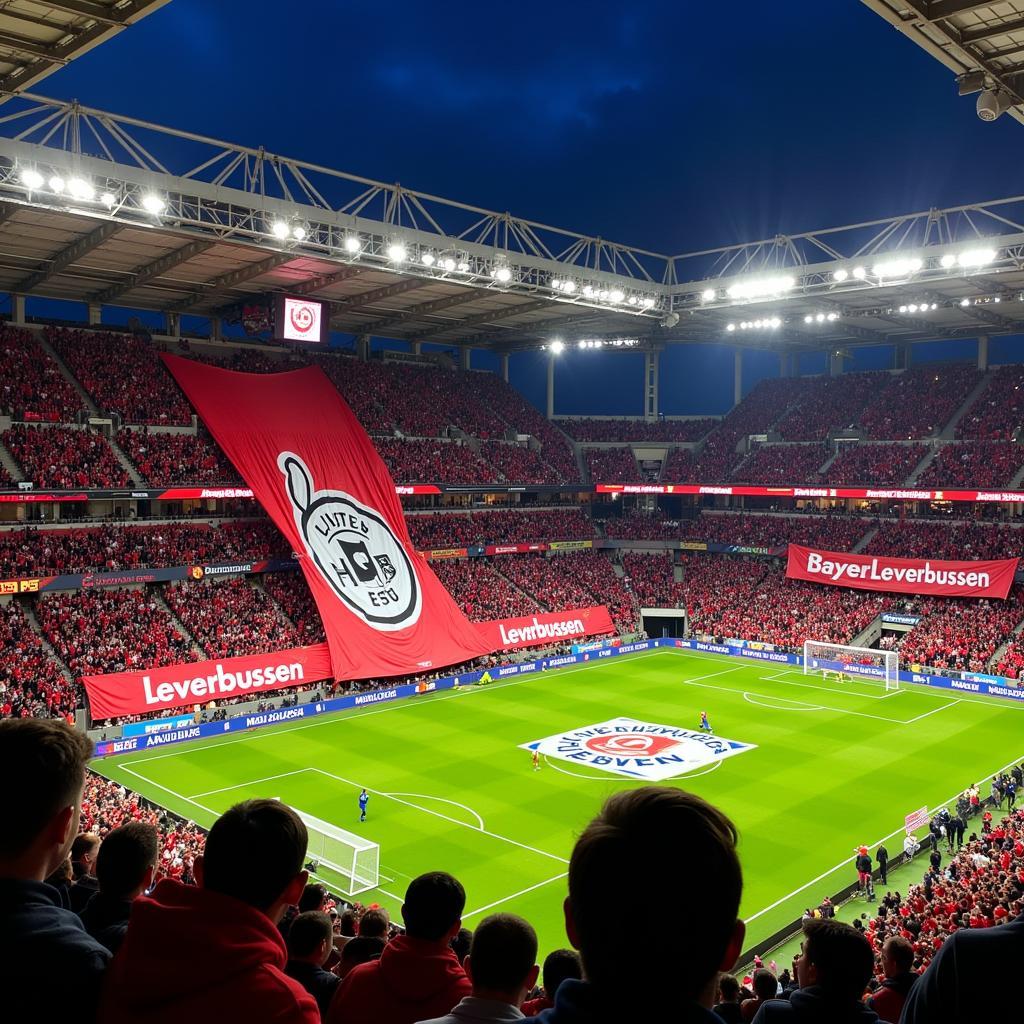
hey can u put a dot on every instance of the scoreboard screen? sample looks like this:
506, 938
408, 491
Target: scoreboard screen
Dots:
300, 320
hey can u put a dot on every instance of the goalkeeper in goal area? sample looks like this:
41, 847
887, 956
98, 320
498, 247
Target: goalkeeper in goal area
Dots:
837, 674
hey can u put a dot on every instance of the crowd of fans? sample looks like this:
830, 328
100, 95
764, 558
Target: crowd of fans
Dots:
663, 430
998, 412
650, 576
825, 404
140, 391
611, 465
63, 458
481, 591
436, 530
292, 594
679, 467
232, 617
167, 459
31, 682
919, 402
780, 464
31, 385
433, 461
519, 463
974, 465
909, 538
872, 464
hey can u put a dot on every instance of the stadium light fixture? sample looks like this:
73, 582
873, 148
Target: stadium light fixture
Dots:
581, 344
32, 179
108, 199
976, 258
633, 300
556, 284
859, 273
352, 243
947, 260
568, 287
809, 319
649, 302
397, 252
153, 204
604, 295
841, 275
279, 229
617, 295
502, 274
588, 292
557, 347
463, 267
761, 287
448, 264
298, 232
820, 318
708, 295
896, 268
81, 190
428, 259
56, 184
965, 302
730, 327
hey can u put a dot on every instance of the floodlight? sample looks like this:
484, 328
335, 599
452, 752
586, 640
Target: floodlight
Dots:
568, 287
448, 263
397, 252
279, 229
352, 243
859, 273
81, 190
976, 257
427, 259
648, 302
617, 295
503, 274
56, 184
965, 302
32, 179
948, 260
463, 267
557, 347
730, 327
841, 274
298, 232
108, 199
153, 204
708, 295
992, 103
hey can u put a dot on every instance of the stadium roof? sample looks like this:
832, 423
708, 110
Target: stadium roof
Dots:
37, 37
105, 209
982, 43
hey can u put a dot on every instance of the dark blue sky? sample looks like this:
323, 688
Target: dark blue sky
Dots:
673, 126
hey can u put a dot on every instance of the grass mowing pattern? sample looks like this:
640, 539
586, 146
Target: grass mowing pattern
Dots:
836, 764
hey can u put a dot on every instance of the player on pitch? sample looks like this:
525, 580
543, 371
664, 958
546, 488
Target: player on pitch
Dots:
536, 760
705, 725
364, 799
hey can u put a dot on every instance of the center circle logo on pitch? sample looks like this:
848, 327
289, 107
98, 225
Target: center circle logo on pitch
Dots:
355, 551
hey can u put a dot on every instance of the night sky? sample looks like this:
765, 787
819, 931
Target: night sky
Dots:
672, 126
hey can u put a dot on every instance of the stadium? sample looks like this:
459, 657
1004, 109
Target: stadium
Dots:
475, 566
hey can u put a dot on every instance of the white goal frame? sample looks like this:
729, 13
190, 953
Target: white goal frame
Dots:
817, 652
355, 858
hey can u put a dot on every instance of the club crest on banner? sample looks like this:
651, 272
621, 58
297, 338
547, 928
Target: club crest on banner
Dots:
354, 550
638, 750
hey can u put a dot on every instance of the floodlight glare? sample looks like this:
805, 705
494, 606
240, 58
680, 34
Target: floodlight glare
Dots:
730, 327
760, 287
56, 184
648, 302
808, 319
617, 295
397, 252
965, 302
153, 204
568, 287
859, 273
557, 347
352, 243
427, 259
448, 263
463, 267
708, 295
298, 232
108, 199
582, 344
32, 179
896, 268
976, 257
503, 274
81, 190
279, 229
948, 260
841, 275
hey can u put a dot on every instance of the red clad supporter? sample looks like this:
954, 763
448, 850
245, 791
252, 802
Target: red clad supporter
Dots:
773, 464
908, 538
873, 463
611, 465
31, 385
651, 579
141, 391
63, 458
919, 402
213, 951
480, 590
998, 412
664, 430
31, 682
828, 403
291, 592
166, 459
417, 976
450, 529
974, 464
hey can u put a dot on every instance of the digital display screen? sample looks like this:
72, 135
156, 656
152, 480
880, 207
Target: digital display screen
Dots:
301, 320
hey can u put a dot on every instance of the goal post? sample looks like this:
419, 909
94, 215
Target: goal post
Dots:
858, 662
354, 857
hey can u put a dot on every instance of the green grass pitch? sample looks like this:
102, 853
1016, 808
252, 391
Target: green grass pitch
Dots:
836, 764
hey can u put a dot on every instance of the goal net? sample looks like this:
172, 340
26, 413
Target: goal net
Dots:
855, 662
356, 859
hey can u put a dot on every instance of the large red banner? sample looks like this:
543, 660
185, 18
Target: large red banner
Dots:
313, 468
902, 575
184, 686
546, 628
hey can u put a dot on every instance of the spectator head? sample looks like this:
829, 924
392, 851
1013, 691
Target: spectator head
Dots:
835, 957
502, 961
41, 812
897, 956
560, 964
765, 984
311, 938
671, 844
313, 897
433, 907
374, 924
728, 989
359, 950
347, 924
462, 943
84, 849
127, 862
254, 853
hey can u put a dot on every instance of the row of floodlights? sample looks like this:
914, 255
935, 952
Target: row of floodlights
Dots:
83, 191
557, 347
886, 270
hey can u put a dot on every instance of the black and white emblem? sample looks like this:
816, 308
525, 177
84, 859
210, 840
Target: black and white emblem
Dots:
354, 549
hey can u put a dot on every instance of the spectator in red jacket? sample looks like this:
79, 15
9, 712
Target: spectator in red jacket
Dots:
897, 963
417, 976
213, 951
673, 845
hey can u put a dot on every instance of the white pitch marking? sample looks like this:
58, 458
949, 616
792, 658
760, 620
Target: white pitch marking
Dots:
830, 689
934, 711
442, 800
749, 697
522, 892
242, 785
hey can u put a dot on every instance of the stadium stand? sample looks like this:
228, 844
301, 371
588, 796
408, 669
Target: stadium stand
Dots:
31, 682
998, 412
430, 530
291, 592
664, 430
827, 403
650, 577
60, 457
481, 591
679, 467
611, 465
917, 539
141, 391
781, 464
918, 402
31, 385
168, 459
518, 463
874, 464
974, 464
423, 461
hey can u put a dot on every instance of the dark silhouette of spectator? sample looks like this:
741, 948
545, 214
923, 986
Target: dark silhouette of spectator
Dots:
667, 841
310, 942
559, 964
897, 965
359, 950
213, 951
83, 870
417, 976
728, 1005
126, 867
48, 959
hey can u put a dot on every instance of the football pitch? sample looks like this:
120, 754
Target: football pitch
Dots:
819, 767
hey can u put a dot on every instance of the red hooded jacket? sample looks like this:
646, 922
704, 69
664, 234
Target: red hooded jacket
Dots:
193, 955
413, 980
